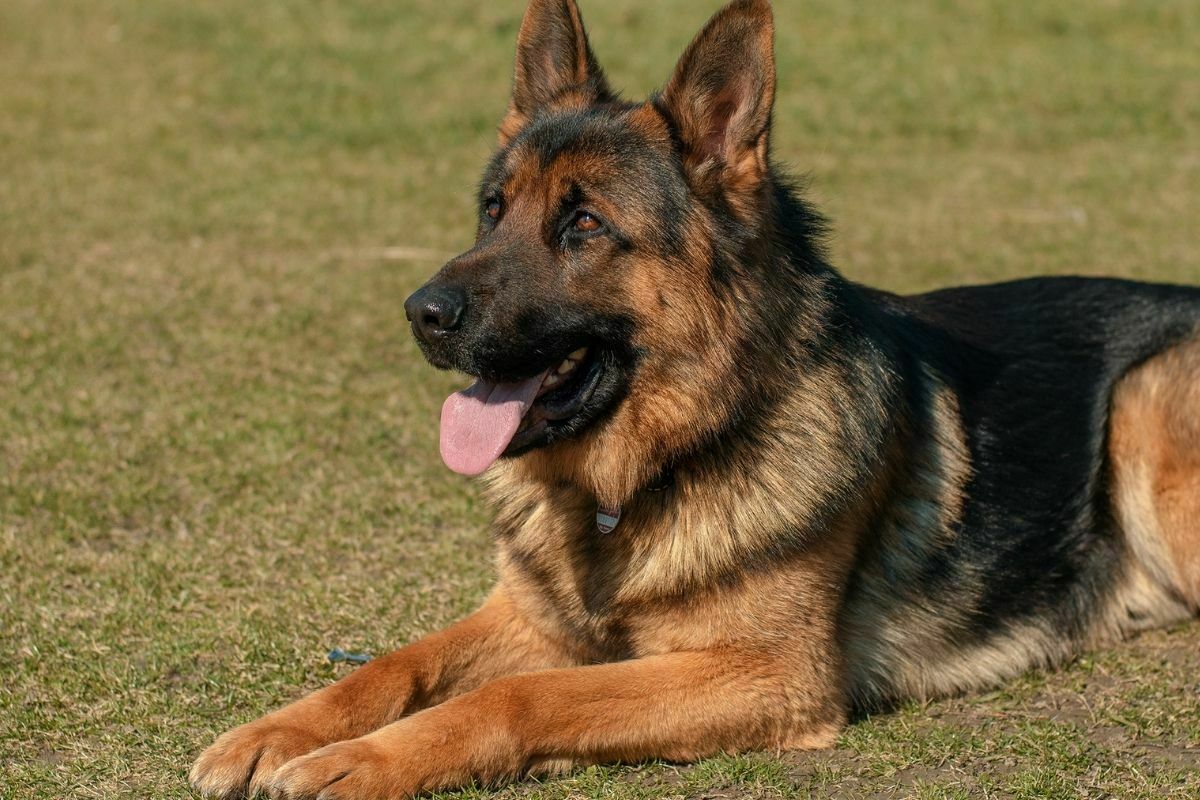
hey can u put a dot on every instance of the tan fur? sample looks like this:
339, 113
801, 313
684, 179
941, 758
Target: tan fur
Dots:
491, 642
1155, 450
776, 582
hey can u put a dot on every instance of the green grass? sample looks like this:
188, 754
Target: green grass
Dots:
218, 443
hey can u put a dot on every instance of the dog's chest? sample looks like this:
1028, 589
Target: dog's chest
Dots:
654, 585
568, 576
614, 594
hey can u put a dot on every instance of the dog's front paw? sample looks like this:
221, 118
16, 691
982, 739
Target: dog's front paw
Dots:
352, 770
240, 762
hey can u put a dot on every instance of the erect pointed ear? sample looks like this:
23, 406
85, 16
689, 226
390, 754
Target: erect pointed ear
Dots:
555, 66
721, 96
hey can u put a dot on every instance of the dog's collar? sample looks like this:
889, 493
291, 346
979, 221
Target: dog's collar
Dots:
607, 518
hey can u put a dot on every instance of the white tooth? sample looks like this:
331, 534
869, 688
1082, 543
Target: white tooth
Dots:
565, 367
550, 380
578, 354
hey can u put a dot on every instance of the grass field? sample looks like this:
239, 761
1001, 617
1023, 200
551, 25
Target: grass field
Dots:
218, 448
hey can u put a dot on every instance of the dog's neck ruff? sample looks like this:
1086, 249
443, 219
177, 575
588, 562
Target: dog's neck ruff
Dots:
607, 518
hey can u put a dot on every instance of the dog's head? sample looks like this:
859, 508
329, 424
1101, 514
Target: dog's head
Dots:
603, 306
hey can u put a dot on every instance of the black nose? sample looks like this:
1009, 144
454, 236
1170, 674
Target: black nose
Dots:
435, 310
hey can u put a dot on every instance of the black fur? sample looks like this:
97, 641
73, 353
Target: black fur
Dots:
1034, 363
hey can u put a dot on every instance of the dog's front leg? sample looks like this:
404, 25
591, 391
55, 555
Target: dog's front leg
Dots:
677, 706
492, 642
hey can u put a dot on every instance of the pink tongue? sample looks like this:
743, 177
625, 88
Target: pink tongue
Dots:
480, 421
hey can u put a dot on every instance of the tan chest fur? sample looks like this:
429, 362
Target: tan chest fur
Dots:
682, 571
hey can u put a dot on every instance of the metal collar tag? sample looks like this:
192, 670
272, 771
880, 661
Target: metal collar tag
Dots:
607, 518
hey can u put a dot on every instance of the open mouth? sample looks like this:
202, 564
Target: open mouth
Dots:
491, 419
564, 393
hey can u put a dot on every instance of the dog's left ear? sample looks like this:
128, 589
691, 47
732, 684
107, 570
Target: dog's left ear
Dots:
721, 96
555, 65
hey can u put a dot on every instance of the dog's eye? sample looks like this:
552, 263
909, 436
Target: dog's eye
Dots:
492, 208
586, 223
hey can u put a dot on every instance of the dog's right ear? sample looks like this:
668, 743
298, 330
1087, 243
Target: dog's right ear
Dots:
555, 65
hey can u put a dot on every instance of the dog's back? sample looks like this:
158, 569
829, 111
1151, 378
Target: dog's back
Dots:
1061, 398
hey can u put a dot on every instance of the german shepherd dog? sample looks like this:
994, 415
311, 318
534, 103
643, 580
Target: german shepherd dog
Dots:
740, 498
